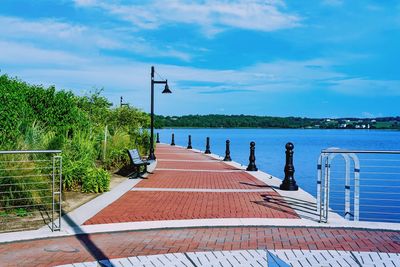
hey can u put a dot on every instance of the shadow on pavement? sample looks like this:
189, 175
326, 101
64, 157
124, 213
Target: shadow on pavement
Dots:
85, 240
290, 205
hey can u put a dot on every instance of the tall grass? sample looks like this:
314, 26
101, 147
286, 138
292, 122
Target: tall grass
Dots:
24, 178
34, 117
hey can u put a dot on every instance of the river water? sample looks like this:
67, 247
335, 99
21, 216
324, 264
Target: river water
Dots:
308, 143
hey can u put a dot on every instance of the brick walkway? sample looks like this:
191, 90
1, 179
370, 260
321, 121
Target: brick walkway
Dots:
186, 200
84, 248
211, 180
160, 205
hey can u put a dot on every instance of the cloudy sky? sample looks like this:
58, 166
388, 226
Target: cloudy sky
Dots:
321, 58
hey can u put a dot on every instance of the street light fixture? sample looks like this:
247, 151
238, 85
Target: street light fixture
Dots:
121, 104
166, 90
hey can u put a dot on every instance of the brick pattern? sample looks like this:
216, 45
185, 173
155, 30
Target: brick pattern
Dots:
194, 165
157, 205
153, 206
209, 180
86, 248
182, 156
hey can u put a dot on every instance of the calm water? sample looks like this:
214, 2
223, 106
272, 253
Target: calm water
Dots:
270, 147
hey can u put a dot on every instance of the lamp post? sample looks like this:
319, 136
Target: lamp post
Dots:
121, 104
166, 90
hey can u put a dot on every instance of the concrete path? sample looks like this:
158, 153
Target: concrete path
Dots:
195, 210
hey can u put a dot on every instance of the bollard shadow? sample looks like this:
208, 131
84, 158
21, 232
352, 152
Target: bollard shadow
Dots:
86, 241
293, 206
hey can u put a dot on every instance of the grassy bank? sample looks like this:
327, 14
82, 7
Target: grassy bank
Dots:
33, 117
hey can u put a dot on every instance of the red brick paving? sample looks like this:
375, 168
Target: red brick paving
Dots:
153, 206
157, 205
139, 206
194, 165
210, 180
81, 248
182, 156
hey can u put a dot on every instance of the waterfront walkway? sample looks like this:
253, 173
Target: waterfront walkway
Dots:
196, 210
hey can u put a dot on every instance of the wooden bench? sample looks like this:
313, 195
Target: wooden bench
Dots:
137, 161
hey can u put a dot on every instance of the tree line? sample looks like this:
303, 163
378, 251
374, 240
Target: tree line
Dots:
251, 121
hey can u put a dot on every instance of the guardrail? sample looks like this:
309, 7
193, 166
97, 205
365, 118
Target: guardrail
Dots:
30, 189
365, 188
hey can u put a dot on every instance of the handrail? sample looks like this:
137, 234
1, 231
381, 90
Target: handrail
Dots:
360, 151
31, 152
355, 185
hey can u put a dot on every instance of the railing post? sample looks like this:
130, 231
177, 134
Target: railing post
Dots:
173, 140
227, 152
189, 142
158, 138
289, 183
208, 151
252, 158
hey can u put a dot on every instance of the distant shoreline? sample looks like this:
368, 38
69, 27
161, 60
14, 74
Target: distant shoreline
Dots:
269, 122
244, 128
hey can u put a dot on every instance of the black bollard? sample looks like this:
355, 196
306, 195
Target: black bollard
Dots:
252, 158
189, 142
227, 152
289, 183
173, 140
208, 151
158, 138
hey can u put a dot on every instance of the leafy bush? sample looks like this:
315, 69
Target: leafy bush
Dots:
79, 157
35, 117
96, 180
22, 104
117, 144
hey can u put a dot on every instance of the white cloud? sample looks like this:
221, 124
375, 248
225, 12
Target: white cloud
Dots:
21, 54
212, 16
62, 35
69, 69
363, 86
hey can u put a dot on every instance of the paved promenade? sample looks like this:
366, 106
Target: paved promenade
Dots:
195, 210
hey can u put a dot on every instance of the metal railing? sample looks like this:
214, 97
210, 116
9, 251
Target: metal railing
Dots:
365, 188
30, 189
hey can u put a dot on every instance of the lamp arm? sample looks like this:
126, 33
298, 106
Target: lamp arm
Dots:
162, 82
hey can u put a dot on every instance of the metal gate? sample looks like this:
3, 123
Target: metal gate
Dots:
30, 190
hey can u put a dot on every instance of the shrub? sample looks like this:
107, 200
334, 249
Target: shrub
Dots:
34, 117
117, 144
79, 157
96, 180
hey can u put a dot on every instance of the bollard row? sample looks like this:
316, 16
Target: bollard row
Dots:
288, 183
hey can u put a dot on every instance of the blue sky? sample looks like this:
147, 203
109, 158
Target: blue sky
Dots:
321, 58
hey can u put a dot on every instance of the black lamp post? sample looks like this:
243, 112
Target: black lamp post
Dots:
165, 91
121, 104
